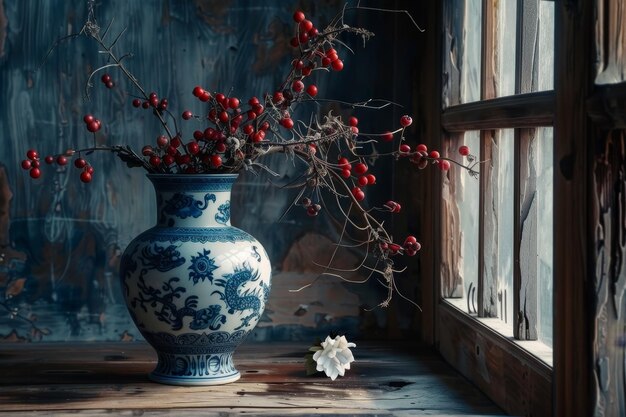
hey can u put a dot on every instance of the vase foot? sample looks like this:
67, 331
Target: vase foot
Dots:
195, 369
196, 381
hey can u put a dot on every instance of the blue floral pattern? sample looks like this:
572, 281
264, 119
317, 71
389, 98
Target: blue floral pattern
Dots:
202, 267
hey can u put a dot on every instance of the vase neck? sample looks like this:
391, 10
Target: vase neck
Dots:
193, 200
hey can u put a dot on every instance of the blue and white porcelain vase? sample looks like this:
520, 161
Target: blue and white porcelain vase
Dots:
195, 285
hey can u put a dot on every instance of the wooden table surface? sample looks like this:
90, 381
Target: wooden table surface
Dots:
110, 379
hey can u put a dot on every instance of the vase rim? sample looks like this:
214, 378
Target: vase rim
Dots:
181, 176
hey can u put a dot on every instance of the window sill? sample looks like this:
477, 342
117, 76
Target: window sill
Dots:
536, 348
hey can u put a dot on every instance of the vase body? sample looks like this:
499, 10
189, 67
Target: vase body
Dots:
195, 286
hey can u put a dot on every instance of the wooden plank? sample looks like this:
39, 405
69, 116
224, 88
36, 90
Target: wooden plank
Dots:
523, 110
382, 381
610, 59
525, 240
572, 243
507, 373
608, 212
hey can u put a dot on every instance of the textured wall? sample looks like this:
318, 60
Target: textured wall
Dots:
61, 239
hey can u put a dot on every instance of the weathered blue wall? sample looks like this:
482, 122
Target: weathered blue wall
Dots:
61, 239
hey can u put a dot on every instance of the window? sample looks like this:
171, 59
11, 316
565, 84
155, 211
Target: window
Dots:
498, 77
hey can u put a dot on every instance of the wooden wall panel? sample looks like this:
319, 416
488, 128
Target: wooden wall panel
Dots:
608, 216
62, 239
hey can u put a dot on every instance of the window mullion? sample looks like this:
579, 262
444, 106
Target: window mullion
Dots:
486, 292
526, 234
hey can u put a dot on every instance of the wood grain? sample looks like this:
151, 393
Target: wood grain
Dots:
383, 381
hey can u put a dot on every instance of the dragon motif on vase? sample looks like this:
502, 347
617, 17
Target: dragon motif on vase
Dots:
247, 300
183, 205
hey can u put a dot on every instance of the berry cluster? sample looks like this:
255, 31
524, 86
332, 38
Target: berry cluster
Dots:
230, 135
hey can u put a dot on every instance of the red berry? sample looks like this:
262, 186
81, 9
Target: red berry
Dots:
258, 109
258, 136
110, 84
306, 25
421, 148
193, 148
332, 56
176, 141
358, 194
326, 61
287, 123
311, 90
106, 78
371, 179
253, 101
162, 141
355, 130
410, 239
387, 137
363, 181
88, 118
306, 71
61, 160
405, 121
155, 161
353, 121
313, 33
360, 168
205, 96
220, 147
303, 37
297, 86
32, 154
294, 42
344, 163
265, 125
298, 16
187, 115
248, 129
85, 176
278, 97
337, 65
464, 150
434, 154
404, 148
444, 164
251, 115
136, 102
145, 104
233, 102
26, 164
223, 116
93, 126
49, 159
80, 163
35, 173
298, 64
311, 211
198, 91
168, 159
147, 150
346, 173
216, 161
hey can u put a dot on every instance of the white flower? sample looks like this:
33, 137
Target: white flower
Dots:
334, 357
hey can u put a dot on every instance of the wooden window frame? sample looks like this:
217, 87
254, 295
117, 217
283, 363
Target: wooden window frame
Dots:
523, 382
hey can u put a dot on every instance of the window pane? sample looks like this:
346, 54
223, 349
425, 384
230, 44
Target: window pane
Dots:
504, 172
506, 47
463, 22
467, 197
546, 46
545, 241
